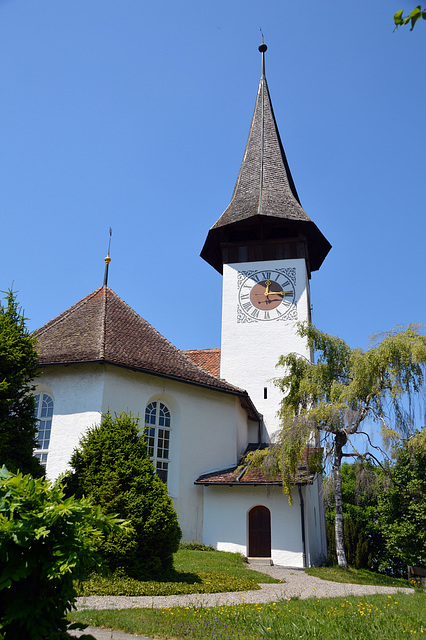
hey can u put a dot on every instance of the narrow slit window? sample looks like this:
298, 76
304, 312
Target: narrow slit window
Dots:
265, 393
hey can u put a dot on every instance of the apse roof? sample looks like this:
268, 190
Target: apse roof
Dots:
103, 328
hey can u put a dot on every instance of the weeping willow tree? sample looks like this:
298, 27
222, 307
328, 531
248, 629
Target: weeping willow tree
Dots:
332, 400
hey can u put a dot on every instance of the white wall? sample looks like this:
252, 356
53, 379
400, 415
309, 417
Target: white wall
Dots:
226, 520
77, 396
250, 349
208, 428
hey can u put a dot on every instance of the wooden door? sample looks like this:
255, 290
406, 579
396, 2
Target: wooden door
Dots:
259, 532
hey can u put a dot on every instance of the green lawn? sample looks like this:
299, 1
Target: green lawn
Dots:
194, 572
355, 576
367, 618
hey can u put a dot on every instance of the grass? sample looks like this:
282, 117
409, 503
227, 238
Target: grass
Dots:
355, 576
367, 618
194, 572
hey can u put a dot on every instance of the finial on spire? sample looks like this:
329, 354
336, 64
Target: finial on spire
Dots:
262, 49
107, 259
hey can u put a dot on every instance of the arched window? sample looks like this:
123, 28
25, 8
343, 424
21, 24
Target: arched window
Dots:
157, 433
44, 414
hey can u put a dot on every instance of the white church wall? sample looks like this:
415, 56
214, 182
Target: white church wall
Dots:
251, 348
203, 434
208, 428
77, 396
226, 521
208, 442
131, 391
246, 431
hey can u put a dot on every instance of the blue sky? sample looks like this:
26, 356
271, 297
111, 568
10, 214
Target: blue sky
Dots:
135, 115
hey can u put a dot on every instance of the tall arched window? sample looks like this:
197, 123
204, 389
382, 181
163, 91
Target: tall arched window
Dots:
157, 433
44, 414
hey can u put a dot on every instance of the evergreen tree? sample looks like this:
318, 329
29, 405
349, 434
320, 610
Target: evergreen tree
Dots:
18, 368
112, 467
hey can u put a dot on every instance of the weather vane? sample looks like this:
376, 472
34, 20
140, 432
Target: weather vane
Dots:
107, 259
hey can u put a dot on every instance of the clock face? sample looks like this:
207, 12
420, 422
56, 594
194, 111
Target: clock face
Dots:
267, 295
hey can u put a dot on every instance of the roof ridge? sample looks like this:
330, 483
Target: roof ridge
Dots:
179, 351
206, 349
103, 320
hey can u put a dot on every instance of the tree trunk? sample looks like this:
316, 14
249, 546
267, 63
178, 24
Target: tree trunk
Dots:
339, 442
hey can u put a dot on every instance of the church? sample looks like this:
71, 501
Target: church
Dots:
204, 409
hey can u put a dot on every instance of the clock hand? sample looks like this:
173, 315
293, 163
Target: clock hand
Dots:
267, 282
279, 293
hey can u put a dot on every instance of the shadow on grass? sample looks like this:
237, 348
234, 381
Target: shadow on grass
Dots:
180, 576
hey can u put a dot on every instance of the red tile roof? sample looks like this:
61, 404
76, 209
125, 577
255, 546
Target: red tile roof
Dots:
207, 359
103, 328
244, 475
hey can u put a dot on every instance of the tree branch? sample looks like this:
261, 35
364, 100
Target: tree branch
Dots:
374, 446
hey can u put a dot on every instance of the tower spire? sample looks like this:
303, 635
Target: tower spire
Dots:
265, 207
262, 48
107, 260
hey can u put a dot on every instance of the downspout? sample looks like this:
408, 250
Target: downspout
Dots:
302, 522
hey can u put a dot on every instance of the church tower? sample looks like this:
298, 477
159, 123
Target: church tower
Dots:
266, 247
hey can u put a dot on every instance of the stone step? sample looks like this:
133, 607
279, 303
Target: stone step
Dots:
264, 561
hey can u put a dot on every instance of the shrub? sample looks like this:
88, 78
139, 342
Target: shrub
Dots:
46, 542
111, 465
195, 545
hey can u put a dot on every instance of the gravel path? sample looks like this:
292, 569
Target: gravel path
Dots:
297, 584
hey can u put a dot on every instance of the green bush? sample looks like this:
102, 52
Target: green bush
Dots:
195, 545
46, 542
111, 465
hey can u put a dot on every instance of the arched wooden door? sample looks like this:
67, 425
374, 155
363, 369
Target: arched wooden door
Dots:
259, 532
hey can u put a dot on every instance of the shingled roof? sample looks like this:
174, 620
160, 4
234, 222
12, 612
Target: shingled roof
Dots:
207, 359
103, 328
243, 475
265, 203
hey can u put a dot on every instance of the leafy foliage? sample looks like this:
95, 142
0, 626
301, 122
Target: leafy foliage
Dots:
402, 505
18, 368
120, 584
363, 537
111, 465
401, 20
195, 545
345, 388
46, 542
